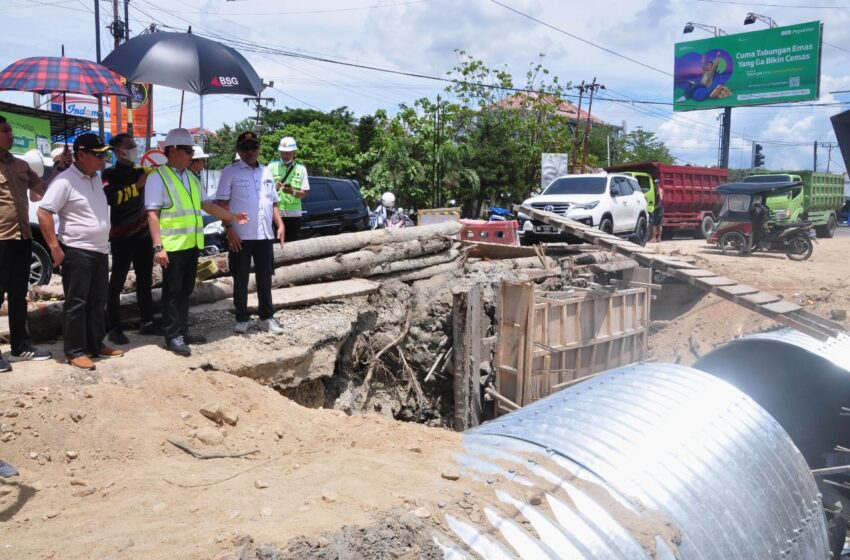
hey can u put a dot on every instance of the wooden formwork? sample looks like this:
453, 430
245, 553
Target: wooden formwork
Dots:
548, 339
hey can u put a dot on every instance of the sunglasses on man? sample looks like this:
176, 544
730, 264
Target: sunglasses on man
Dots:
100, 155
187, 149
249, 147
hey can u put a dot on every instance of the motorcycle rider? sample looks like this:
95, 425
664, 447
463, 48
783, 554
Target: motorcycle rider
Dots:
386, 208
759, 216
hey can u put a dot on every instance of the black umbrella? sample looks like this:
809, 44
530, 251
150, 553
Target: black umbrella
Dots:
187, 62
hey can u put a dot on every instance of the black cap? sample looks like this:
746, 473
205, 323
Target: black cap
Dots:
247, 137
89, 143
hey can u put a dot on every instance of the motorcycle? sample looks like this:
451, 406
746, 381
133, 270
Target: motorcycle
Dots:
500, 215
395, 219
735, 232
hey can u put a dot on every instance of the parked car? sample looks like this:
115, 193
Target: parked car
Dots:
333, 206
41, 265
613, 203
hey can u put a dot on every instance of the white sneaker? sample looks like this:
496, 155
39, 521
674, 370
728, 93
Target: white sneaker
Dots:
241, 327
271, 325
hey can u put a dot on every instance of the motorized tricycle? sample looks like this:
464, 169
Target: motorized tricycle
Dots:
747, 224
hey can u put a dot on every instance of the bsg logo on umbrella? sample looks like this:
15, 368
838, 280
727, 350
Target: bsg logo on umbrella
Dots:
224, 81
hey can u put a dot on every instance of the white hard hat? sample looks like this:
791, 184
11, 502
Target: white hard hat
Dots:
33, 159
388, 200
178, 137
56, 153
287, 144
199, 153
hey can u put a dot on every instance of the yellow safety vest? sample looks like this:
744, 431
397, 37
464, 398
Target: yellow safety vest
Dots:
181, 225
295, 180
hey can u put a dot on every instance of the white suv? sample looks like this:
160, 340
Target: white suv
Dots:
613, 203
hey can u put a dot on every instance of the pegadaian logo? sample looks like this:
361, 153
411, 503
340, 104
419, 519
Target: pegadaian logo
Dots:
224, 81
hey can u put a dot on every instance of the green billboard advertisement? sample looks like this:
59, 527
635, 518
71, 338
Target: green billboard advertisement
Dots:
31, 133
776, 65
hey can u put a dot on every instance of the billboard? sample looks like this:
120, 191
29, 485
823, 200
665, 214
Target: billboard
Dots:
79, 105
31, 133
776, 65
140, 103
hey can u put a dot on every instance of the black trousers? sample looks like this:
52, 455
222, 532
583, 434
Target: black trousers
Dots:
262, 252
292, 226
178, 283
138, 251
85, 279
15, 257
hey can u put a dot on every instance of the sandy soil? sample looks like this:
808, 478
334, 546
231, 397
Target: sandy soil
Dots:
100, 480
819, 284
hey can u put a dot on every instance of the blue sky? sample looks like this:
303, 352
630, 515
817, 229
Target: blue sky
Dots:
421, 35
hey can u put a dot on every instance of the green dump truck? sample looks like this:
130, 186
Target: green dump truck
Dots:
818, 201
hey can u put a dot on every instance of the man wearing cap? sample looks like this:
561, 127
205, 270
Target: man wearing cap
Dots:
174, 199
82, 249
242, 189
290, 180
129, 237
17, 183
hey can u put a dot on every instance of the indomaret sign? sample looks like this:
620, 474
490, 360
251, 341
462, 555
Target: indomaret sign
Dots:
776, 65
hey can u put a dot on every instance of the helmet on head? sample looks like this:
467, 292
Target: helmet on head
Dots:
388, 200
287, 144
35, 161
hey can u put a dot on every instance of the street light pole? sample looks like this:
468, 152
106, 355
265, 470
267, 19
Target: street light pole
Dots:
726, 123
100, 124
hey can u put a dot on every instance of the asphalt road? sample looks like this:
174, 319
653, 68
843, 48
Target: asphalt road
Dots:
842, 232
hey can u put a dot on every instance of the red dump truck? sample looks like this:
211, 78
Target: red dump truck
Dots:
690, 201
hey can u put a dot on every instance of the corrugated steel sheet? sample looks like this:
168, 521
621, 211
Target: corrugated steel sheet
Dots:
645, 461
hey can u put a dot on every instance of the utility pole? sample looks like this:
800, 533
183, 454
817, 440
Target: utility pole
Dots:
258, 102
574, 155
593, 89
815, 164
117, 29
829, 146
100, 125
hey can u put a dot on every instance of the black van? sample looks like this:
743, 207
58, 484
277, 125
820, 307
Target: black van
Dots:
333, 206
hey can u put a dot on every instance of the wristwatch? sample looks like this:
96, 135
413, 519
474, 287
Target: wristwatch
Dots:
157, 248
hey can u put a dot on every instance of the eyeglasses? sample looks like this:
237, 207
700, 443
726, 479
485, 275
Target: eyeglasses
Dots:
249, 147
101, 155
188, 149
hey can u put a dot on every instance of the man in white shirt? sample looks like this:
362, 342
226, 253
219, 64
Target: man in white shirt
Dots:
82, 249
174, 199
245, 187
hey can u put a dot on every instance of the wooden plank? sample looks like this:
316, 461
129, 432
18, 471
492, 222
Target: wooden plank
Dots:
673, 263
716, 281
696, 273
760, 298
737, 290
781, 307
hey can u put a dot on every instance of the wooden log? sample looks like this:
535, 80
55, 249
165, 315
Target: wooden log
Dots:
316, 247
413, 264
524, 262
428, 272
329, 268
466, 328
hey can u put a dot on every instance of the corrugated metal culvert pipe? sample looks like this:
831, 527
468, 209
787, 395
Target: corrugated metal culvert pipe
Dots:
804, 384
645, 461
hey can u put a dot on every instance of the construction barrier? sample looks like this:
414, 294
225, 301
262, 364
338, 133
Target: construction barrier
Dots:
437, 216
503, 233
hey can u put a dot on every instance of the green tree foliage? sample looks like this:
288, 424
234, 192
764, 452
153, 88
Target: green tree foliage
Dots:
642, 145
479, 144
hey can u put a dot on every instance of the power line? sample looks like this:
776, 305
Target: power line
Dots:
306, 12
766, 5
568, 34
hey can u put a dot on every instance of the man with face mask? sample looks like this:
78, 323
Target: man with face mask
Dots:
129, 236
290, 180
